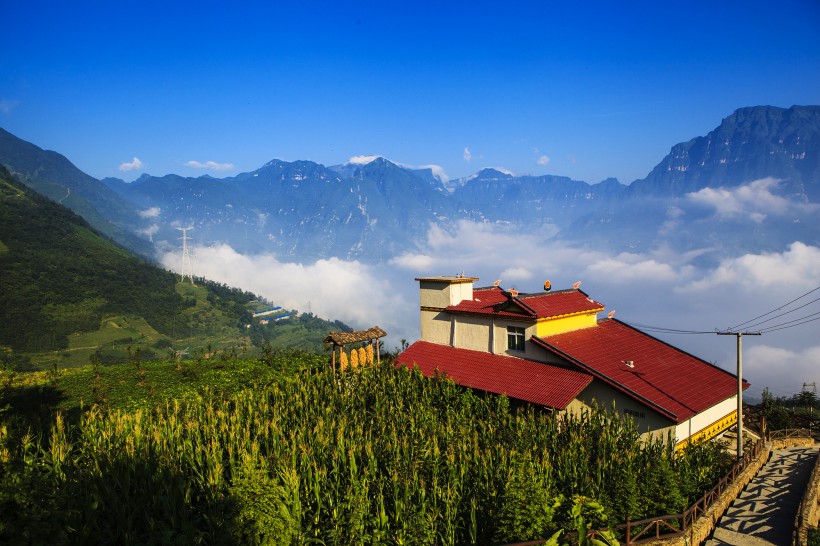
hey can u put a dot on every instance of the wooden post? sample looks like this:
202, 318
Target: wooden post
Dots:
628, 530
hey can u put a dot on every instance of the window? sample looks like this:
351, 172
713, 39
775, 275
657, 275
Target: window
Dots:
515, 338
634, 414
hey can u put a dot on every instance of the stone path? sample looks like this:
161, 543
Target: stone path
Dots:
764, 512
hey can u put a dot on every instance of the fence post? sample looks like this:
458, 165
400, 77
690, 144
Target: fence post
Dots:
628, 530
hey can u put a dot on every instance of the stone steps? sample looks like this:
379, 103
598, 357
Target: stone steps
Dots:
764, 512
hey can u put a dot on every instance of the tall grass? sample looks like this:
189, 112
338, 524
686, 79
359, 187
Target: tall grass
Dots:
377, 455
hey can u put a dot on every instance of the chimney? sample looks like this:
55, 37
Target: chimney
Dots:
435, 295
441, 292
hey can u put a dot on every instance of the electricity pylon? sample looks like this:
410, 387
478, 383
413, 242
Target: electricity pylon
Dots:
187, 269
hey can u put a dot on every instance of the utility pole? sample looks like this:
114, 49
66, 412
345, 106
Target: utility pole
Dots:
739, 336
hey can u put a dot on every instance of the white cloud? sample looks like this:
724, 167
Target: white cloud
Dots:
152, 212
468, 156
438, 171
754, 200
350, 291
7, 106
414, 262
516, 274
630, 267
543, 160
783, 371
797, 267
212, 165
362, 159
503, 170
134, 165
674, 216
150, 231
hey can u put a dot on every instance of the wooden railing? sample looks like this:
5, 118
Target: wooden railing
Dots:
675, 525
790, 433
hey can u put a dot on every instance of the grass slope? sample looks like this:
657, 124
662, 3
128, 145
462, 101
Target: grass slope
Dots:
69, 295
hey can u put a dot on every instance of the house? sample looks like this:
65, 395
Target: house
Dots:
551, 349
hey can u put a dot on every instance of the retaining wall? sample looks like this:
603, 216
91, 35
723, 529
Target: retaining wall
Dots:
809, 512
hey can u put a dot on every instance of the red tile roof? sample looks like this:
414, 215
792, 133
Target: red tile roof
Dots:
672, 381
496, 301
518, 378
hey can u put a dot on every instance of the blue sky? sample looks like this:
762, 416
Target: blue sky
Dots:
587, 90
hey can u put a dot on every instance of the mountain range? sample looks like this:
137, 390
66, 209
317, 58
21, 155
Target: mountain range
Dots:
751, 183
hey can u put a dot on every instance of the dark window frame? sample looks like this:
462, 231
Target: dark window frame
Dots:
516, 338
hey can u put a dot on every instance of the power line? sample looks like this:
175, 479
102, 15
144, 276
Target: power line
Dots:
747, 325
776, 310
783, 314
784, 325
661, 329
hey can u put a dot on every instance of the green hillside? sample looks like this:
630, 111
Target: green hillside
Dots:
68, 293
54, 176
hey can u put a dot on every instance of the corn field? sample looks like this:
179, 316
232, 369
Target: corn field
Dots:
376, 455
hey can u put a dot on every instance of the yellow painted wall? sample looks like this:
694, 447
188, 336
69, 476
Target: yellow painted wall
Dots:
552, 326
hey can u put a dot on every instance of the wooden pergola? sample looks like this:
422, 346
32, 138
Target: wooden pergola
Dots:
341, 339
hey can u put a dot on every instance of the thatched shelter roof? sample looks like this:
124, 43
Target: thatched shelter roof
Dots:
340, 339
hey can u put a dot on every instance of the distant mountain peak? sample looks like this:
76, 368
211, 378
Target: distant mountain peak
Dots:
492, 173
363, 159
751, 143
273, 162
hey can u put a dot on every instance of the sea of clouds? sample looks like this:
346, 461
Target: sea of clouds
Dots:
654, 289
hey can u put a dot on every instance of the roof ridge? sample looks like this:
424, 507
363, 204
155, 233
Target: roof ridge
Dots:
545, 293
